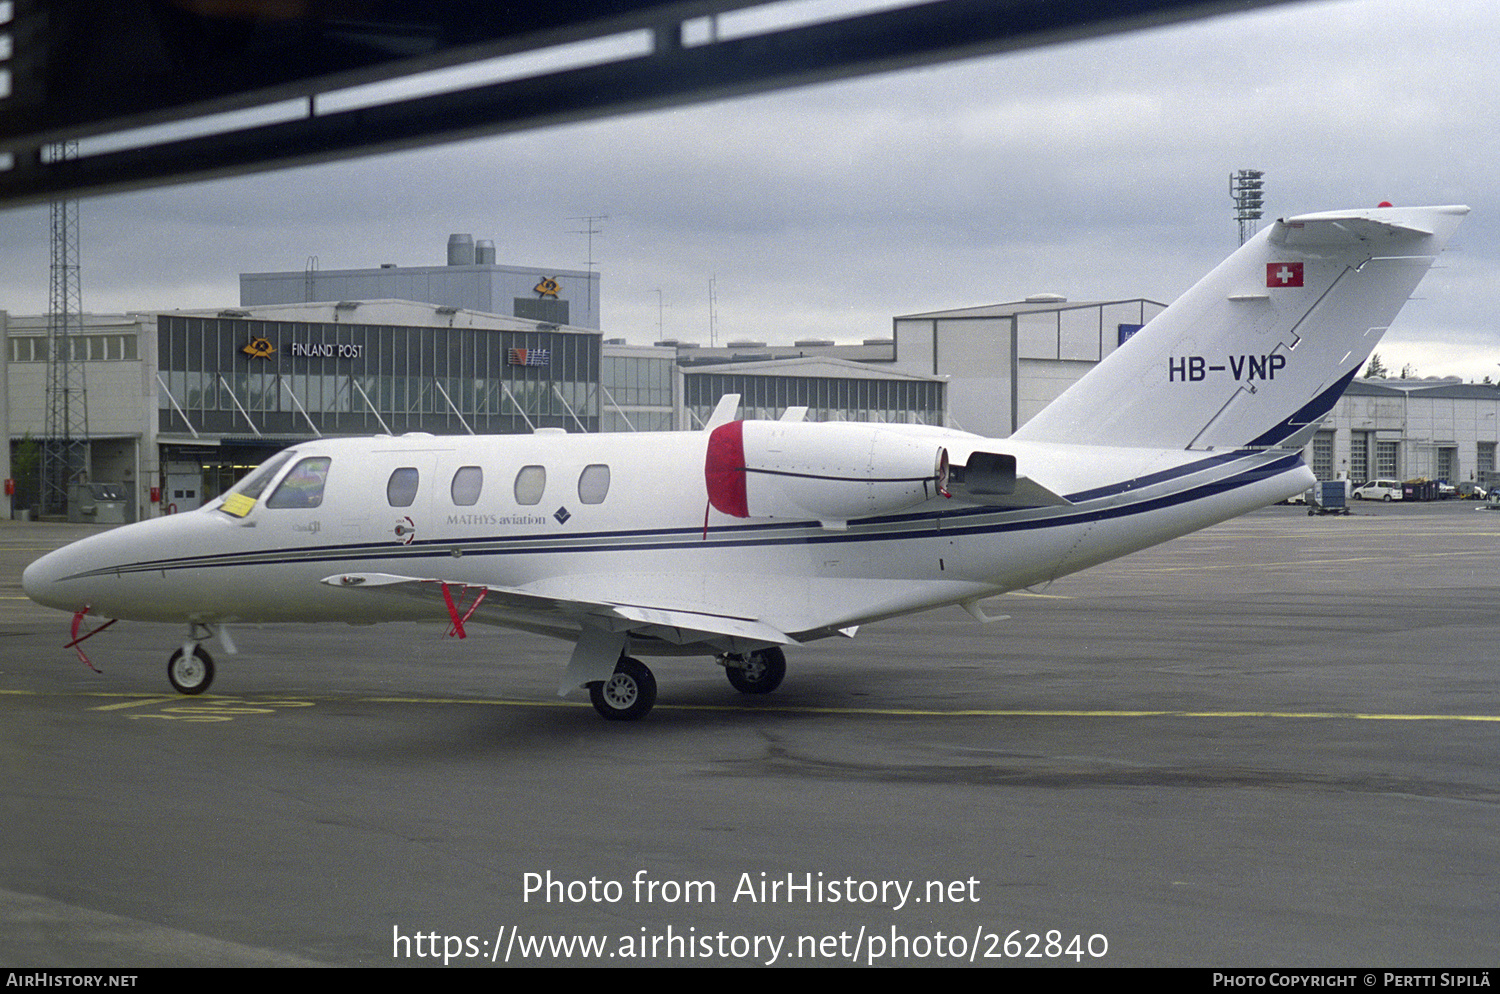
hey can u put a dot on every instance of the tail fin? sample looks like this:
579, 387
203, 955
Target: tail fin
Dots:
1261, 348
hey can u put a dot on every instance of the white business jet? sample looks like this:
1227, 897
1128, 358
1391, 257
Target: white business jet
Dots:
752, 535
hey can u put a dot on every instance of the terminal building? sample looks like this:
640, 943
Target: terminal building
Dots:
183, 403
470, 281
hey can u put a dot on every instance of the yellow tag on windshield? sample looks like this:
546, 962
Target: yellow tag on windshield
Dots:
237, 504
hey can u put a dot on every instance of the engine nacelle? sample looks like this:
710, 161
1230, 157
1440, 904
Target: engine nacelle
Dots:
831, 472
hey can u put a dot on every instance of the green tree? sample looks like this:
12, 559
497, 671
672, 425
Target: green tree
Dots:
1376, 369
25, 465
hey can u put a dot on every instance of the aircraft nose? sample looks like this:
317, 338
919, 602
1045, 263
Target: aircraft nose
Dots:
40, 581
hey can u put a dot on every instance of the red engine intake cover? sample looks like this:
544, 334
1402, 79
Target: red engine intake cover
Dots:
724, 470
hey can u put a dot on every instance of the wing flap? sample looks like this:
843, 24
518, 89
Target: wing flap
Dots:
512, 606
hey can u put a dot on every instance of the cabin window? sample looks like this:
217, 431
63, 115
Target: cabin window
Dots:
467, 483
593, 484
303, 486
401, 488
530, 482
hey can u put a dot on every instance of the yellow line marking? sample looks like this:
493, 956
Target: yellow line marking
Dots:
962, 713
1388, 560
208, 702
999, 713
131, 704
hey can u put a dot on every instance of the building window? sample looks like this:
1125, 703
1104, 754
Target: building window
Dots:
1359, 456
531, 481
1385, 460
1484, 460
551, 311
1447, 464
1322, 462
467, 483
401, 488
593, 484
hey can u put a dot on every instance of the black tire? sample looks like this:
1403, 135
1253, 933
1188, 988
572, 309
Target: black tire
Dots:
190, 674
760, 674
1387, 498
628, 695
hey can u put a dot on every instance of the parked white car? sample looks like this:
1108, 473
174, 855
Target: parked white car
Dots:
1378, 490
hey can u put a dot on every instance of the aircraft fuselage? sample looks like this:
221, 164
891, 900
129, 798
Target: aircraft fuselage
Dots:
644, 534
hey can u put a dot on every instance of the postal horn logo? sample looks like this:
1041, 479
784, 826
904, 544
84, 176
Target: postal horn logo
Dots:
547, 287
259, 348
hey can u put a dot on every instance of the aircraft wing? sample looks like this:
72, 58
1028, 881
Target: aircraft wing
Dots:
518, 608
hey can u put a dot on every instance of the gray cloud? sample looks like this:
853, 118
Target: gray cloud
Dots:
1097, 170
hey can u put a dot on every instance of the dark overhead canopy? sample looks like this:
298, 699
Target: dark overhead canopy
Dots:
100, 70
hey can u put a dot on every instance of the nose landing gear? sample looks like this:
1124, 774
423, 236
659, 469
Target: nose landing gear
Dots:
191, 668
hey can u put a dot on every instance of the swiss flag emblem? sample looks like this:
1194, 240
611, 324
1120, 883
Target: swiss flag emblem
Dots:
1283, 274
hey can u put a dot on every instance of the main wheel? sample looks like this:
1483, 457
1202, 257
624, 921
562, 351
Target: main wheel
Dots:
760, 673
190, 674
627, 695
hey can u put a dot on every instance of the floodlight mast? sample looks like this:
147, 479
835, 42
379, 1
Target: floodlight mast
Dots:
1245, 189
65, 449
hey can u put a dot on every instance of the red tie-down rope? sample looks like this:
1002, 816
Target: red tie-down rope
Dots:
78, 620
458, 622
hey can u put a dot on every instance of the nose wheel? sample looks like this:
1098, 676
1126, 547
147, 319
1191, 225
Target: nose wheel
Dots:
190, 672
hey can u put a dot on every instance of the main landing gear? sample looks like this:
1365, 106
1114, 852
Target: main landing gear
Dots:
630, 692
758, 672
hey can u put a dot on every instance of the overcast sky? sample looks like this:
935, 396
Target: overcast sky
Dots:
1096, 170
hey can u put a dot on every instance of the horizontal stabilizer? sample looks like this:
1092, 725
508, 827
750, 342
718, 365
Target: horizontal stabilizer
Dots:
1341, 228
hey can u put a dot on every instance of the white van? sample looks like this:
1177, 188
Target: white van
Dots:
1378, 490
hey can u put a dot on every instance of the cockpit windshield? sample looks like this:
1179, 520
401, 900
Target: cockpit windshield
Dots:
303, 486
243, 495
